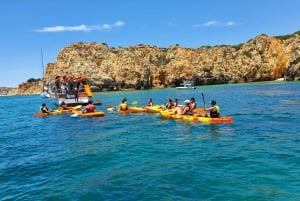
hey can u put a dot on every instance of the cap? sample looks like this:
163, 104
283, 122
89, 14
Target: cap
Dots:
187, 101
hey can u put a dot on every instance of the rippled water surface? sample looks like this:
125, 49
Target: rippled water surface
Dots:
144, 157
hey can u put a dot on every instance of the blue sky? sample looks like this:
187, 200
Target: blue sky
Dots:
31, 25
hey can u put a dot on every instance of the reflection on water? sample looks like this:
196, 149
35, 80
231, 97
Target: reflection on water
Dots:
291, 102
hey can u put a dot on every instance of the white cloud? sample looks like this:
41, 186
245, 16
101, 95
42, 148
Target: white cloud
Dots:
230, 23
81, 27
211, 23
216, 23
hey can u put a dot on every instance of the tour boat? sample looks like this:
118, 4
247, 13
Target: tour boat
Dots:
73, 90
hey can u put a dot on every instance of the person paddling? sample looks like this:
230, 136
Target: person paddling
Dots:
44, 108
89, 108
213, 111
123, 105
64, 106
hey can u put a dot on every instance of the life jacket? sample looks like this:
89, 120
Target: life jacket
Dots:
91, 108
215, 113
123, 106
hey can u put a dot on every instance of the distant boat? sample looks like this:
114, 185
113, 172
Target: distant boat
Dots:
280, 79
186, 85
45, 93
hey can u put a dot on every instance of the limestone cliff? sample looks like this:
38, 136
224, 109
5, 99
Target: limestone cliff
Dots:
108, 68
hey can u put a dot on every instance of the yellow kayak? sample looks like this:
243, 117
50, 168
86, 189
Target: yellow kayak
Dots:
89, 114
170, 115
58, 111
154, 109
53, 112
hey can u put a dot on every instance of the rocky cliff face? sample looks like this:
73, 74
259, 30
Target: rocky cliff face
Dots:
107, 68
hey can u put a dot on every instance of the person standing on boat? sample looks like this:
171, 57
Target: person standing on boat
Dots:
76, 94
44, 108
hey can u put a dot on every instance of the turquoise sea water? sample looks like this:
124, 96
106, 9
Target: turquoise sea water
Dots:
144, 157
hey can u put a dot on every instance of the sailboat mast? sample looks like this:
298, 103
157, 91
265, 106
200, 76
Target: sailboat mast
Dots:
42, 63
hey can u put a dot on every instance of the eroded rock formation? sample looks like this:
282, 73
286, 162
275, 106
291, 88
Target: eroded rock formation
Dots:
142, 66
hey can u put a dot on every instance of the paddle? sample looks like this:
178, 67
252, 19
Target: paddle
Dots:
111, 107
203, 99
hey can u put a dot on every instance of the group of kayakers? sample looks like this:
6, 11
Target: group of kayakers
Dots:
189, 106
90, 107
187, 109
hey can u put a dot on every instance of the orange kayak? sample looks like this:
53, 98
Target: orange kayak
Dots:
137, 109
123, 111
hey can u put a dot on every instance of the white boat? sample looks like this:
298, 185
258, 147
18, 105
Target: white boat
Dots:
45, 94
186, 85
280, 79
70, 89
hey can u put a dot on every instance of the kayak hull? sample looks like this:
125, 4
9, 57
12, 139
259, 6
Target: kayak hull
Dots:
123, 111
53, 112
89, 114
137, 109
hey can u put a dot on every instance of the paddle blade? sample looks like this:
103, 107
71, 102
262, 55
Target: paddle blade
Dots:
77, 107
110, 109
74, 115
134, 103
